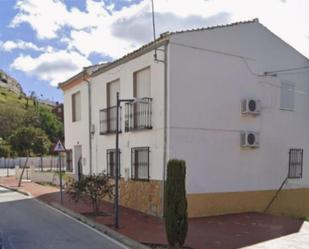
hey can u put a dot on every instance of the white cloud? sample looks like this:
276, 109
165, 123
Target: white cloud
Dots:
19, 44
99, 27
53, 67
48, 17
102, 29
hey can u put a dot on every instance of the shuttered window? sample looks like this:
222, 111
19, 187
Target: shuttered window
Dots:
76, 107
287, 96
112, 89
142, 83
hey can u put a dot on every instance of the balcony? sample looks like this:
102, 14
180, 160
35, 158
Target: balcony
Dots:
138, 115
108, 120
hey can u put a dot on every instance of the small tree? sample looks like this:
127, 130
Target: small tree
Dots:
176, 217
91, 188
28, 141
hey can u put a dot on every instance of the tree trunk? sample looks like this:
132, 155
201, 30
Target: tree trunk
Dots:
22, 172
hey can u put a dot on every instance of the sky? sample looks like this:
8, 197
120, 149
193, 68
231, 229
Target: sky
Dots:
44, 42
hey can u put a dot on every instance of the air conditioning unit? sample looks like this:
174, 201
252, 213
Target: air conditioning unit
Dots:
249, 139
251, 106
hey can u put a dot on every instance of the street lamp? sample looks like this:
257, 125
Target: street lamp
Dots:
117, 159
116, 201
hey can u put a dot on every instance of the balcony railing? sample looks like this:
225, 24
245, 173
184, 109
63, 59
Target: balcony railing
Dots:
138, 115
108, 120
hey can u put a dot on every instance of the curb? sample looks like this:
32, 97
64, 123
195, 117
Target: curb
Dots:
15, 190
102, 228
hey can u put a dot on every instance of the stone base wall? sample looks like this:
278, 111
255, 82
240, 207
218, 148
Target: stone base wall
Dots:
144, 196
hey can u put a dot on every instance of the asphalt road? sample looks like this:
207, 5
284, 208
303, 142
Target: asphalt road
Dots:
28, 224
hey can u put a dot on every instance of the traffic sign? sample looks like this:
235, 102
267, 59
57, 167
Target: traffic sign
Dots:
59, 147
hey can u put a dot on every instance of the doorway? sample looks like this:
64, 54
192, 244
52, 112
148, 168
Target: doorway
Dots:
78, 162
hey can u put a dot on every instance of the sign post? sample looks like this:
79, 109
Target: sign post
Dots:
60, 148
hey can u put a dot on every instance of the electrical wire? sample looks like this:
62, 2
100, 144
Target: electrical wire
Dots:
212, 51
287, 70
244, 59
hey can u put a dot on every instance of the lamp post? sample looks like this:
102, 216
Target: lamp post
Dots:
116, 201
117, 159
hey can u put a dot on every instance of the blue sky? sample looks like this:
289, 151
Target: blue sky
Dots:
44, 42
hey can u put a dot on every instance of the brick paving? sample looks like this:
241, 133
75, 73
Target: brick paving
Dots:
218, 232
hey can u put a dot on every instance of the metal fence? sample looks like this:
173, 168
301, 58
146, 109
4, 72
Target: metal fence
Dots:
46, 163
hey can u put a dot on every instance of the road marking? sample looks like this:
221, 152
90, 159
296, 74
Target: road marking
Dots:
86, 225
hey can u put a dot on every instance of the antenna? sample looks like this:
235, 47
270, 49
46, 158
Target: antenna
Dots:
154, 29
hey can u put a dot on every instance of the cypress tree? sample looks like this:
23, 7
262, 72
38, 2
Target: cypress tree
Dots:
176, 217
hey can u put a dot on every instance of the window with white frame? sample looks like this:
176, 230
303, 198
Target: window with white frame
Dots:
140, 163
287, 96
76, 107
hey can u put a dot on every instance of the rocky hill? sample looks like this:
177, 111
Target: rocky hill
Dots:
8, 82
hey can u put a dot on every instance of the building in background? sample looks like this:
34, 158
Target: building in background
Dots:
232, 101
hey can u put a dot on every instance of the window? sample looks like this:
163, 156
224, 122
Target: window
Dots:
111, 162
139, 115
76, 107
287, 96
69, 160
111, 91
142, 83
108, 116
296, 163
140, 163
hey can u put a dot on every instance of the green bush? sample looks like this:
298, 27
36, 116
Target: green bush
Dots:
176, 217
92, 187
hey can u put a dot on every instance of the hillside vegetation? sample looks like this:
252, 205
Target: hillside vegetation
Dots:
18, 112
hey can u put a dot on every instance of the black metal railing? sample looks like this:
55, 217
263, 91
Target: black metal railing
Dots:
108, 120
138, 115
296, 163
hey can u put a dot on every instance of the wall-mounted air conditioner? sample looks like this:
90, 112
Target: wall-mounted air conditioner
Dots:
249, 139
251, 106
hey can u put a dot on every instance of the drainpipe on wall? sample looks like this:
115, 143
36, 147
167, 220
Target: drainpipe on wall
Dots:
90, 120
165, 127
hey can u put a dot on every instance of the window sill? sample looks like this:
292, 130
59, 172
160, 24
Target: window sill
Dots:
139, 129
109, 133
287, 109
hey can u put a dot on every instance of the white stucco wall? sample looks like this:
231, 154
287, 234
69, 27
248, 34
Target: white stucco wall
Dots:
127, 140
76, 133
206, 88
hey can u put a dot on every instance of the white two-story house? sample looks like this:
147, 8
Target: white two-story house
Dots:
232, 101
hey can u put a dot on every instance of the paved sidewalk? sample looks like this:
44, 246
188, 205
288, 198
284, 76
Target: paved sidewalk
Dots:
298, 240
220, 232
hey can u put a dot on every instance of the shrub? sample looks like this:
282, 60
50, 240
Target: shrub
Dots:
176, 217
91, 188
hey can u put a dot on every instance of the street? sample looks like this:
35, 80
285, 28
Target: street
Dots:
27, 224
